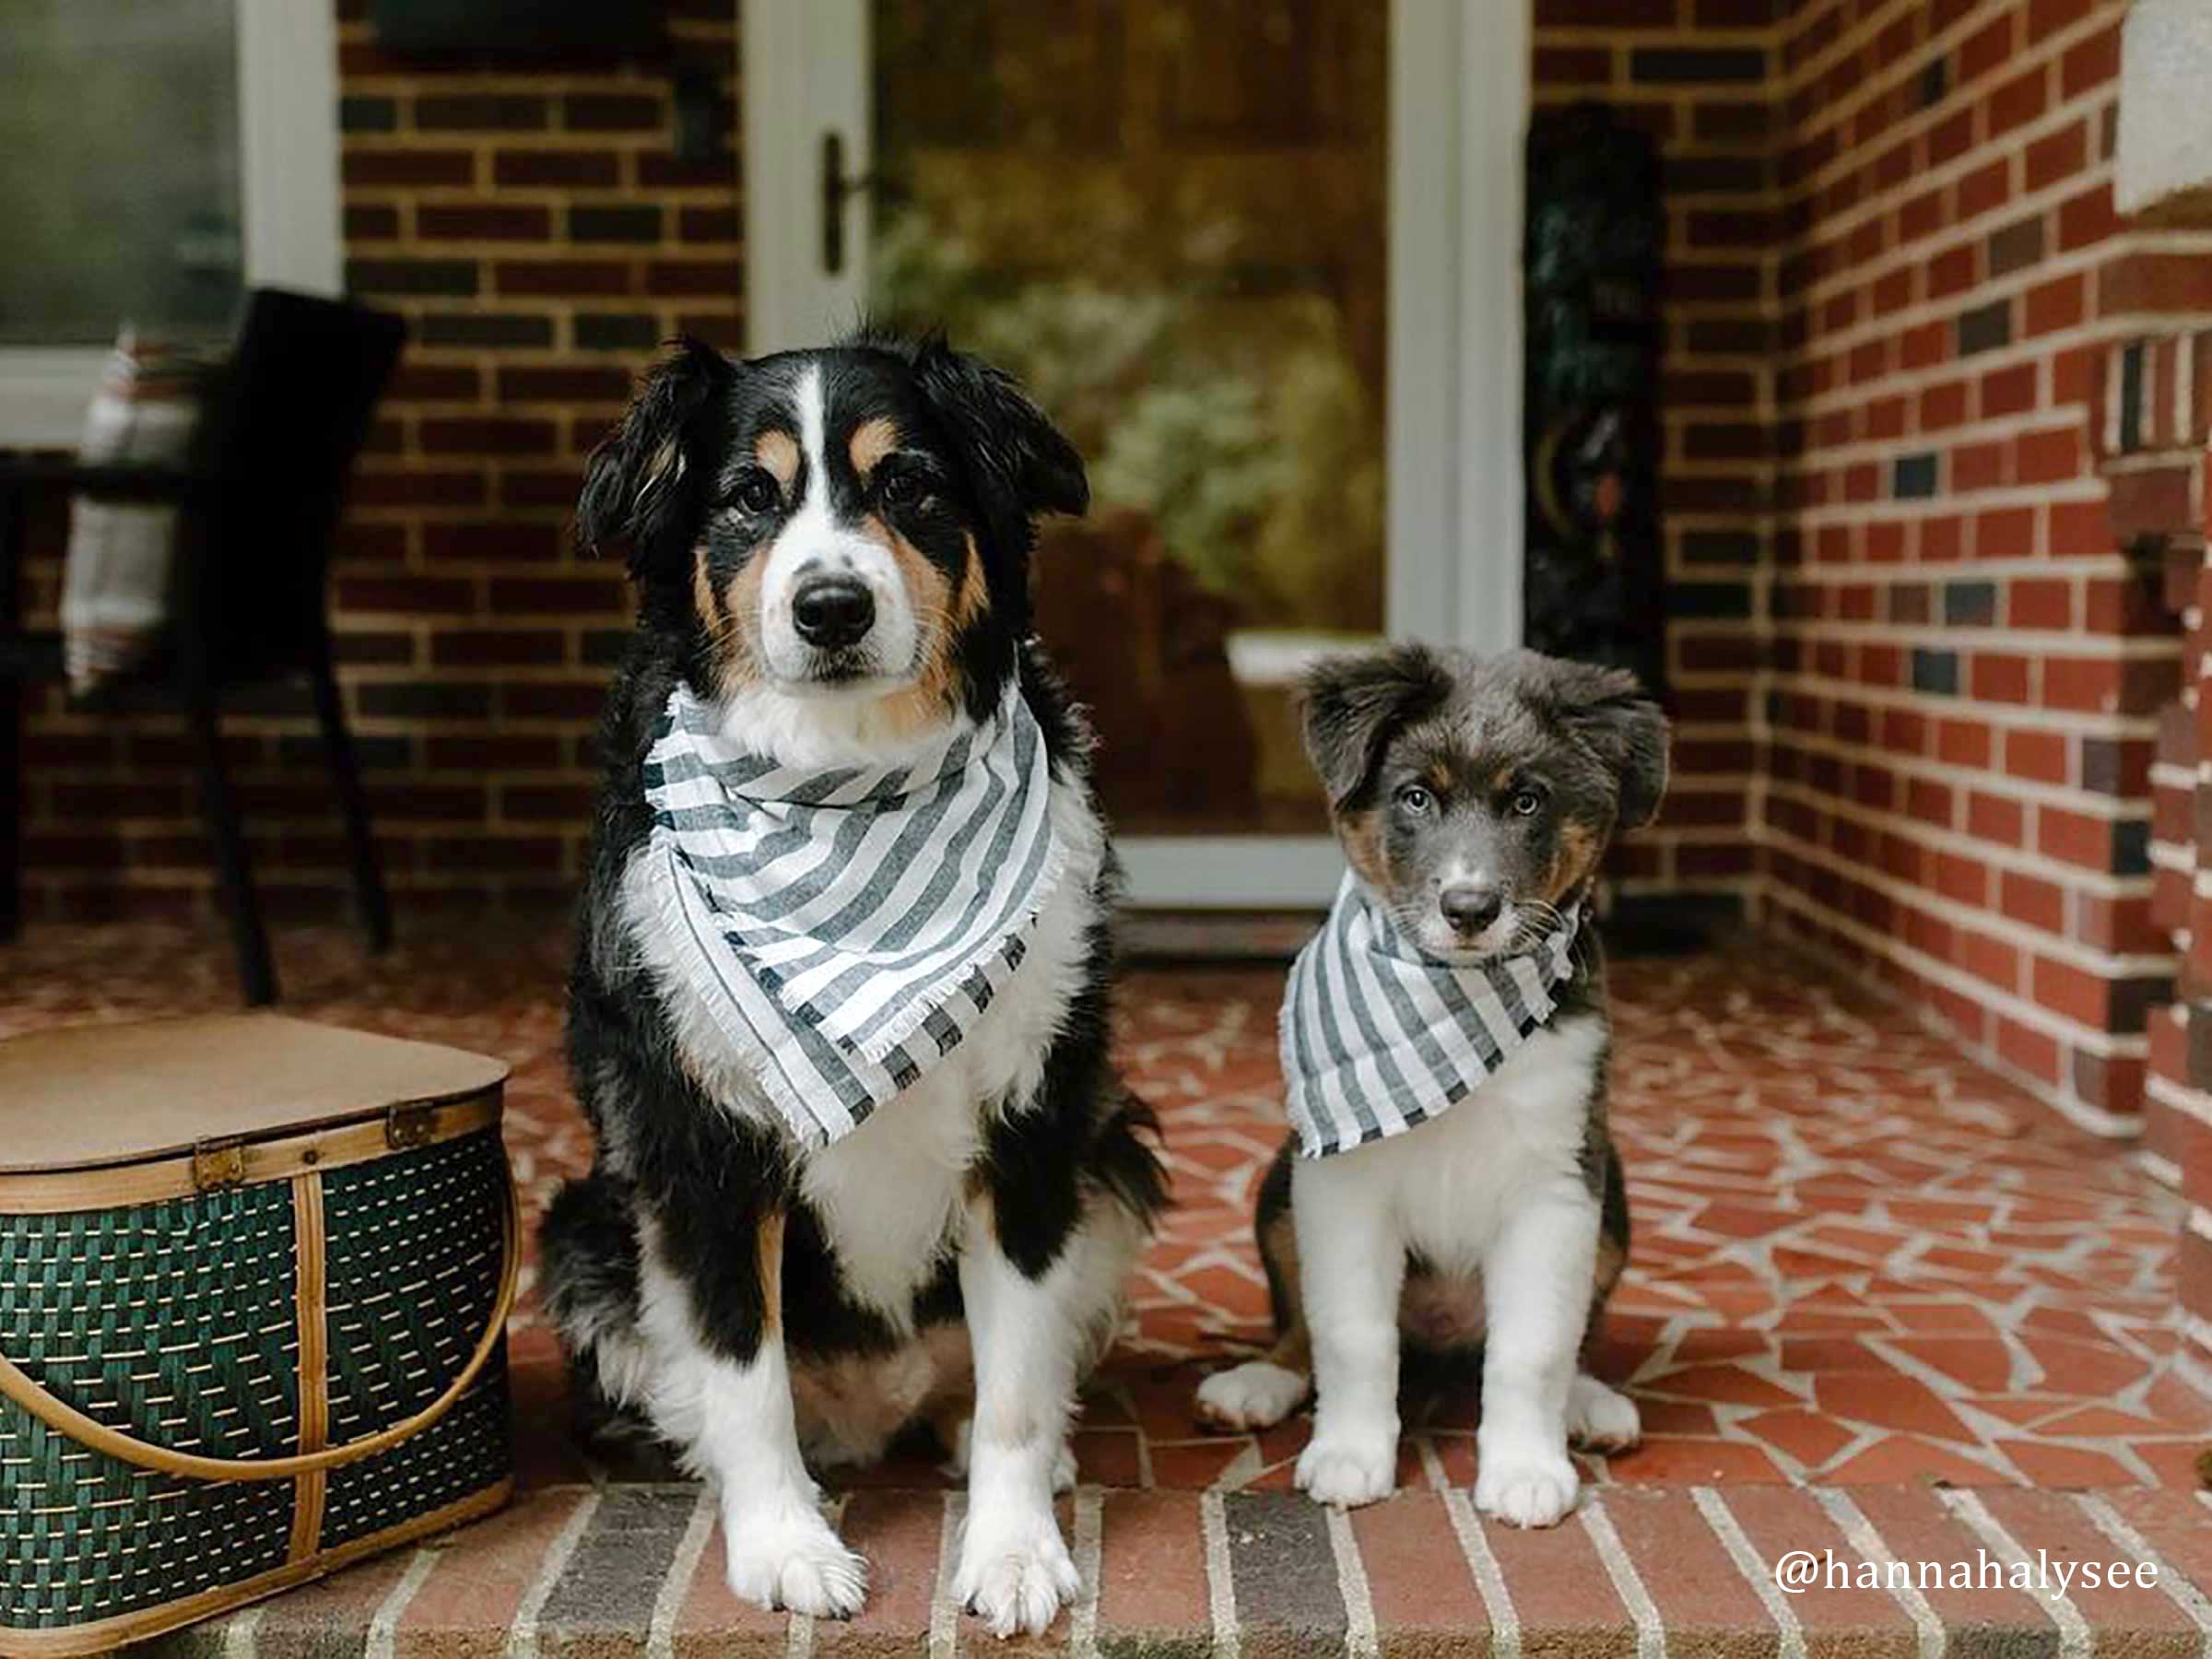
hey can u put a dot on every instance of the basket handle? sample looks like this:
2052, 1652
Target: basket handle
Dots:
98, 1437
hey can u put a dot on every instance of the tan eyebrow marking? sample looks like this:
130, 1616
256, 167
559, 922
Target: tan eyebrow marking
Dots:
872, 441
778, 452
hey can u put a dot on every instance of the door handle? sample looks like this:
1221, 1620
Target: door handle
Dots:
837, 187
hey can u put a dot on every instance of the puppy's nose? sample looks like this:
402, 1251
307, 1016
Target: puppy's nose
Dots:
833, 611
1470, 906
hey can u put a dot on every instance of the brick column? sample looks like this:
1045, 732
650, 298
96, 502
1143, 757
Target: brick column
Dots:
2158, 414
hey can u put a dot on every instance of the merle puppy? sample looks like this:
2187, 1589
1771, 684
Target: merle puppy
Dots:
831, 551
1475, 801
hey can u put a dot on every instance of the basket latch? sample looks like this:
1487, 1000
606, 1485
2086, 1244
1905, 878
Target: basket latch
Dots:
406, 1126
218, 1163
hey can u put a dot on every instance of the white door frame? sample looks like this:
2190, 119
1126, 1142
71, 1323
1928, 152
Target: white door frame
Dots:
1459, 102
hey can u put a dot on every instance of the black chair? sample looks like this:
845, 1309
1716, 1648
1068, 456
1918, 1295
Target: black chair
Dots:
260, 499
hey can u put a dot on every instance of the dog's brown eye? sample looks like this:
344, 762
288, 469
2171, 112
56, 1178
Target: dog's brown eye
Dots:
1526, 803
757, 492
1416, 799
904, 489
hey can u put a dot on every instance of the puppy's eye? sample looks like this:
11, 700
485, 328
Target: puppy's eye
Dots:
757, 492
905, 487
1416, 800
1527, 803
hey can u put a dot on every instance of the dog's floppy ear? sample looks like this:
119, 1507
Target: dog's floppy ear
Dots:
1020, 456
1610, 710
641, 474
1349, 706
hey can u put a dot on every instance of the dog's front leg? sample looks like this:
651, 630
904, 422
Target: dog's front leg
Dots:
1351, 1269
1535, 1281
1015, 1570
723, 1392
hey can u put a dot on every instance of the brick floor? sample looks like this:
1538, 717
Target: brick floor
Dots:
1861, 1266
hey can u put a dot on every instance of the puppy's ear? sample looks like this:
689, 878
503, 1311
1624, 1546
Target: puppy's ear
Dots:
1609, 709
637, 480
1350, 706
1019, 455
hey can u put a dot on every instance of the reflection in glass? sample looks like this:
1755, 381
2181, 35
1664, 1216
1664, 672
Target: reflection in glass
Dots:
118, 169
1166, 218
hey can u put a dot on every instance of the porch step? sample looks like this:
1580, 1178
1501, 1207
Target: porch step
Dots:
583, 1572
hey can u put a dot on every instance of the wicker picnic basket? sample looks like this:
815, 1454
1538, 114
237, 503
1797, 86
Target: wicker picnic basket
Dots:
255, 1278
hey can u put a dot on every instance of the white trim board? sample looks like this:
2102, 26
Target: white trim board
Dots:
287, 152
806, 71
1459, 105
1230, 872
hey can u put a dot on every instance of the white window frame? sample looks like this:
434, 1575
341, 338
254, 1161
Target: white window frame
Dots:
287, 152
1460, 101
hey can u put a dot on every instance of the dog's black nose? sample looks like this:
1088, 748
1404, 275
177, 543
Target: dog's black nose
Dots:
1470, 906
833, 611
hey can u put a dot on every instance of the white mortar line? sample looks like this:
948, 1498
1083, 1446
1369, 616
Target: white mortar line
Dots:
1090, 1541
1650, 1631
2178, 1589
944, 1612
1220, 1586
1863, 1538
242, 1631
1359, 1640
1757, 1573
522, 1640
383, 1639
1505, 1621
2076, 1640
660, 1632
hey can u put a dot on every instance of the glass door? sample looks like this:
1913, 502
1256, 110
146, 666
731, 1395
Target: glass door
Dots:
1172, 219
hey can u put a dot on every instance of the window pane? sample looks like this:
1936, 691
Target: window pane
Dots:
118, 169
1168, 216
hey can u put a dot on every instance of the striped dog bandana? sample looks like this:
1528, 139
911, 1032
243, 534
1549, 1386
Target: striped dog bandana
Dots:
845, 926
1377, 1038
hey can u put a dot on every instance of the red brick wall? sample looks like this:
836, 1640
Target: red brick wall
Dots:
538, 231
1695, 74
2159, 415
1967, 653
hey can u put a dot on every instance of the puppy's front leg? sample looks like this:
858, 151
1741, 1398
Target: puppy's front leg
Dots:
723, 1391
1352, 1268
1535, 1282
1015, 1570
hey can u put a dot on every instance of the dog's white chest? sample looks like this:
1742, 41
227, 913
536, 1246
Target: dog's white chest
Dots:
1450, 1181
890, 1195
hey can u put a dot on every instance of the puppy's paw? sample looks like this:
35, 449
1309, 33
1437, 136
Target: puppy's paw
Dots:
1350, 1472
1254, 1395
1525, 1485
1015, 1574
790, 1560
1600, 1419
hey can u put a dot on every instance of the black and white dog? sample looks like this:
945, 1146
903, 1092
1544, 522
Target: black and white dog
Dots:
1445, 1040
798, 1240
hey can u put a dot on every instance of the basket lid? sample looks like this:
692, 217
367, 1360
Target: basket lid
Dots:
86, 1096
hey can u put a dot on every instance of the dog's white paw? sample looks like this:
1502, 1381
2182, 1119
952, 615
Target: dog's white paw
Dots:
1257, 1395
1015, 1574
1600, 1419
794, 1562
1525, 1485
1348, 1472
